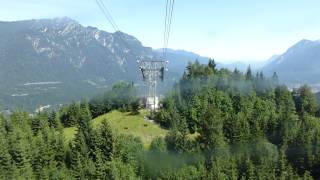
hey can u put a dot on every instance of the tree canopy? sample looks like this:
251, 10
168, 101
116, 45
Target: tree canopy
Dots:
222, 125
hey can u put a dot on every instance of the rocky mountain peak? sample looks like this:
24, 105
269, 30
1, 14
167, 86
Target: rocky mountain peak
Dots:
299, 64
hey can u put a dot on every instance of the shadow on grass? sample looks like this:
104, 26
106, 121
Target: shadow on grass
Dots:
133, 113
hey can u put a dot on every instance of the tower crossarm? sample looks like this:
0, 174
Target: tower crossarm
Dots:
152, 71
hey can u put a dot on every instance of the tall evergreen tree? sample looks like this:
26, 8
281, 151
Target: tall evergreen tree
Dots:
212, 64
275, 78
53, 120
6, 167
305, 101
210, 129
249, 76
158, 144
106, 145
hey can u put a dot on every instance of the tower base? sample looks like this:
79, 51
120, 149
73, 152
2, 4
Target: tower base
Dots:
152, 103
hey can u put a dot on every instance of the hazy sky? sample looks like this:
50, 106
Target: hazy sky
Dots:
228, 30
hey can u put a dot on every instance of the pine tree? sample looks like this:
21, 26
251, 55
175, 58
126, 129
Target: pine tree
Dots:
236, 75
275, 78
106, 145
211, 129
249, 76
19, 154
38, 159
53, 120
249, 168
135, 105
212, 64
59, 155
101, 167
282, 165
35, 125
158, 144
85, 125
69, 114
6, 168
306, 101
121, 170
78, 167
127, 149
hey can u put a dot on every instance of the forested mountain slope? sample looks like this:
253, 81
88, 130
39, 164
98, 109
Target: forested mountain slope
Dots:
299, 64
221, 125
53, 61
249, 126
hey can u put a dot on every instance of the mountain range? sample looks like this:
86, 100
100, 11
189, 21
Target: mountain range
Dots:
54, 61
300, 64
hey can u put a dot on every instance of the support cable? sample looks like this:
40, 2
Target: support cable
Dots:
168, 21
111, 20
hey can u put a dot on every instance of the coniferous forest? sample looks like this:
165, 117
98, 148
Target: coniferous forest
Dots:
222, 125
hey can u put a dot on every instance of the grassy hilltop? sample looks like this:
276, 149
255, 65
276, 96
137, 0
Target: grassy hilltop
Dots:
125, 123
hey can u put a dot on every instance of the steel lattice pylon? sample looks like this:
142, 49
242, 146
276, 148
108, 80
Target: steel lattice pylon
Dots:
152, 71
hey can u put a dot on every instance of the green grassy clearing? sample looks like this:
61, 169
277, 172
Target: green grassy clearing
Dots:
69, 133
125, 123
136, 125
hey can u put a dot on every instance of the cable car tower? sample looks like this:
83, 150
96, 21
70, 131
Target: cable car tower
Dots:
152, 71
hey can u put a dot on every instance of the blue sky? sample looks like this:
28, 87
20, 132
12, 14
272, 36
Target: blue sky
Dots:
228, 30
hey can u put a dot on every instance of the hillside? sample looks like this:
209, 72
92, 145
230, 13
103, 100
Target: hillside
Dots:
60, 60
237, 127
179, 59
125, 123
299, 64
